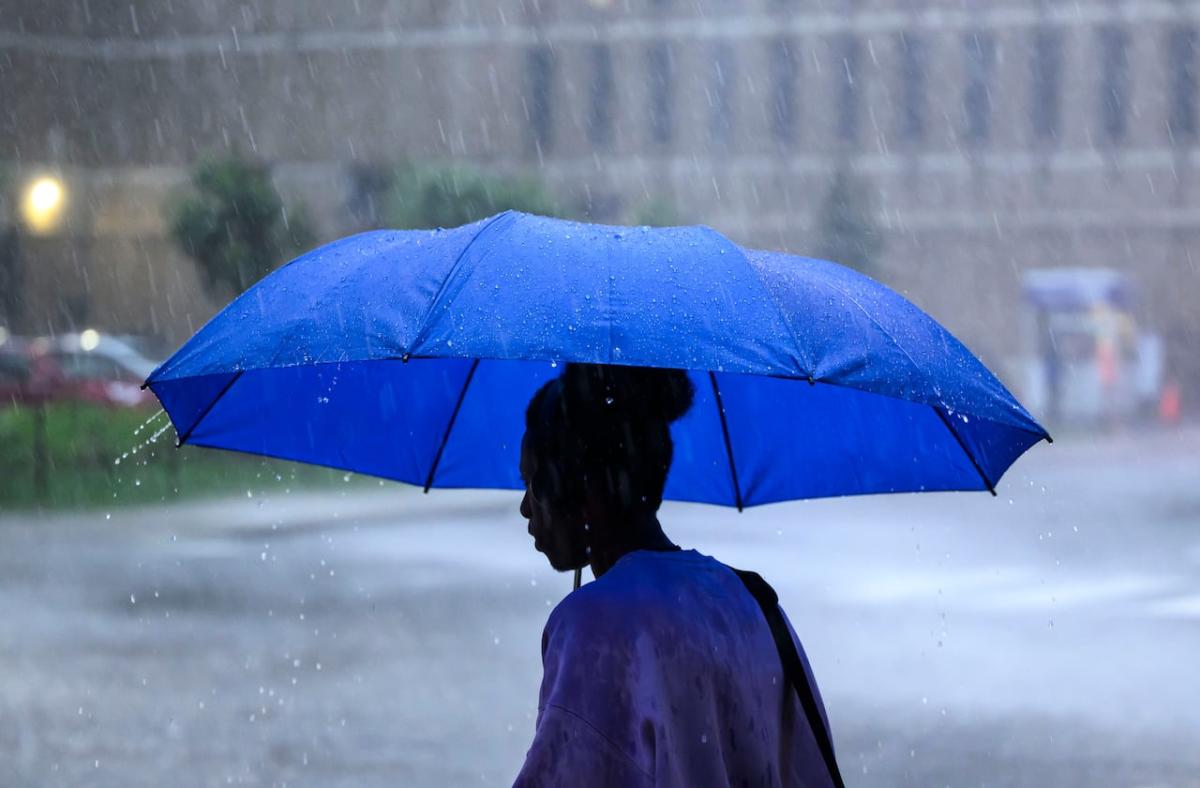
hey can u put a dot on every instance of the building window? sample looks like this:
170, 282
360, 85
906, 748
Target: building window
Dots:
784, 74
1181, 83
1047, 83
1113, 43
661, 78
979, 51
539, 102
720, 92
600, 119
912, 75
849, 52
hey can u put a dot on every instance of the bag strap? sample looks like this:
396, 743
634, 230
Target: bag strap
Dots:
793, 668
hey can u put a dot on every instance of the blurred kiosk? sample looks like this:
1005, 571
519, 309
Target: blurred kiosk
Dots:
1087, 363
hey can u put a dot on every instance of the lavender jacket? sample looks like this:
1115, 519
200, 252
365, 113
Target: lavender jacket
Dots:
663, 672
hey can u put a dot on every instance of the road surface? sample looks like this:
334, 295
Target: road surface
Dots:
374, 636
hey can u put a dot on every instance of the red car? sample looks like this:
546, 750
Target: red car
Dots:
96, 368
26, 376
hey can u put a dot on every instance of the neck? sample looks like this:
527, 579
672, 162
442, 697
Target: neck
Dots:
632, 531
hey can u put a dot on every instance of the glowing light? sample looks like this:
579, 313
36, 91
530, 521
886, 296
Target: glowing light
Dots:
43, 204
89, 339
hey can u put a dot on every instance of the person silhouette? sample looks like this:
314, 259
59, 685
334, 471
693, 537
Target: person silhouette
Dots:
663, 671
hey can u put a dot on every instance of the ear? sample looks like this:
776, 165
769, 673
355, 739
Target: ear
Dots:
595, 509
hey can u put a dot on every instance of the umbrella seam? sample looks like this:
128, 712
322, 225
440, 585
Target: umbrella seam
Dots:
895, 342
774, 302
450, 275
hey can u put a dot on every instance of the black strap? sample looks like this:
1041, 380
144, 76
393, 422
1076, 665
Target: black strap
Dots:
793, 669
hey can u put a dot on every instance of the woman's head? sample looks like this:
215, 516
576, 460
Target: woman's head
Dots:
596, 452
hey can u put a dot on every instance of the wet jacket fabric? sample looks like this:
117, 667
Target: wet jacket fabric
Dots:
663, 672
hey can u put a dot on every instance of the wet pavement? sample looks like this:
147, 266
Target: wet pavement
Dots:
367, 636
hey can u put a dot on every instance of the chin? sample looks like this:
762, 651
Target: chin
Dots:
566, 564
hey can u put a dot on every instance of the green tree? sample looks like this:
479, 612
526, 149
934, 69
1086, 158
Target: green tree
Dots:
234, 224
451, 195
847, 231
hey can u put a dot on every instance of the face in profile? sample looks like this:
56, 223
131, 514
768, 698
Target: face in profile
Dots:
560, 536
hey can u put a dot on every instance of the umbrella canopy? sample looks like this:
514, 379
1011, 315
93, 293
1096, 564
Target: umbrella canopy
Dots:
410, 355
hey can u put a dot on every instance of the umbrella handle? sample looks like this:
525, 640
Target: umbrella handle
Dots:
578, 577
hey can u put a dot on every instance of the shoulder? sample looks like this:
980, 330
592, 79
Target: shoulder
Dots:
589, 612
639, 593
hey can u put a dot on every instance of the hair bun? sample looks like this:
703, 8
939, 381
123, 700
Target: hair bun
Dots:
631, 392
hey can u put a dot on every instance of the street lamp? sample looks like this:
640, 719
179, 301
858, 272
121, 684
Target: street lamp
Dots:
42, 207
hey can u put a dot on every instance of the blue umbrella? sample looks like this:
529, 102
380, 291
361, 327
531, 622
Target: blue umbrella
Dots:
410, 355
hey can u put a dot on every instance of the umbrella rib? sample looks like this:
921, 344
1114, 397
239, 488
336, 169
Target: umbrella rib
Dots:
423, 326
437, 458
208, 408
737, 489
978, 469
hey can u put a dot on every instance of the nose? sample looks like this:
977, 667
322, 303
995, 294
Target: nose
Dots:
525, 512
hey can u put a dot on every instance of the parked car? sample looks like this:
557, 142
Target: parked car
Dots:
26, 377
97, 368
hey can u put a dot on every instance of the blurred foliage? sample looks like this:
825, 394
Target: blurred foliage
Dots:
234, 224
656, 213
444, 195
83, 443
846, 228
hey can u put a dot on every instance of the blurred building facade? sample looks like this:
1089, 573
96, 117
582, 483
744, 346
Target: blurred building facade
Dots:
992, 137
